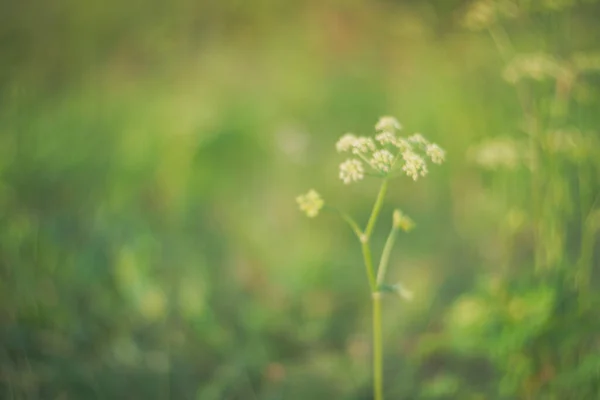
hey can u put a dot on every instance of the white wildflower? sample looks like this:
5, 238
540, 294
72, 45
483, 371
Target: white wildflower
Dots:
414, 165
496, 153
382, 160
386, 138
310, 203
537, 66
435, 152
480, 15
417, 138
387, 124
345, 143
363, 145
351, 170
403, 145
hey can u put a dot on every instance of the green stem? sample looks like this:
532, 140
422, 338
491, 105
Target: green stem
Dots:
353, 225
532, 122
376, 209
385, 255
377, 348
366, 250
586, 252
376, 296
502, 41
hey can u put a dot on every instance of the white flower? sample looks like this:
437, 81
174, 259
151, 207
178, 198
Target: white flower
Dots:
387, 124
536, 66
403, 145
417, 138
351, 170
414, 165
363, 145
497, 153
345, 143
382, 160
386, 138
310, 203
435, 152
480, 15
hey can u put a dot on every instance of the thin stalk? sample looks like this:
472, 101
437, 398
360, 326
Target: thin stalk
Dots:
349, 220
375, 295
377, 348
376, 209
385, 255
366, 250
506, 50
586, 252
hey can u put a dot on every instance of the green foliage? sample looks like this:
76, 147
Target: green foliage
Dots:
149, 247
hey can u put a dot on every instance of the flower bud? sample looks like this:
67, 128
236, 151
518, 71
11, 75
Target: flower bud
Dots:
402, 221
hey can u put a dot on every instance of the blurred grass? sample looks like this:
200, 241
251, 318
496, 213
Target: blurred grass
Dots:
150, 155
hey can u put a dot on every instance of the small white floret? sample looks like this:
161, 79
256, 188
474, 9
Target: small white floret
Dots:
351, 170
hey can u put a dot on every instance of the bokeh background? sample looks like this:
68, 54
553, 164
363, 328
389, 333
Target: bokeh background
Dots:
151, 153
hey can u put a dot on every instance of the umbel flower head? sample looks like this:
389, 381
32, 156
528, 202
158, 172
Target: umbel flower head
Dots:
345, 143
310, 203
387, 124
351, 170
387, 153
435, 152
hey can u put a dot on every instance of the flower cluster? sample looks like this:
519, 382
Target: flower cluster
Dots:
483, 14
382, 155
386, 153
536, 66
480, 15
351, 171
310, 203
496, 154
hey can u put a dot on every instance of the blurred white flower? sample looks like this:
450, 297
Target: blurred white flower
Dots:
345, 143
293, 143
403, 145
387, 124
386, 138
351, 170
496, 153
417, 138
483, 14
363, 145
414, 165
436, 153
480, 15
310, 203
382, 160
537, 66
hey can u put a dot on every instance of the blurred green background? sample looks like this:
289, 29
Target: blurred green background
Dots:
151, 152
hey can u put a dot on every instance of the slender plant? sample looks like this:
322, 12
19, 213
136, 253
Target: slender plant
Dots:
544, 304
385, 156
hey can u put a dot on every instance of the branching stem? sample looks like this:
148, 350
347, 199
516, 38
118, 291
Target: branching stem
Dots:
385, 255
